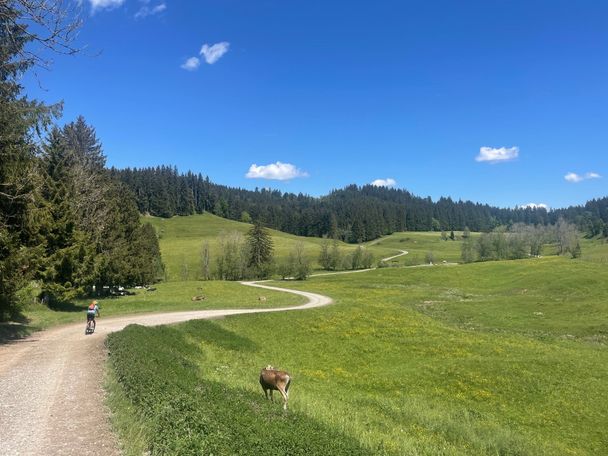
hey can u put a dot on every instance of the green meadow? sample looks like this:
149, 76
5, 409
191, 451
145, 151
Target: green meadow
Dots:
182, 239
419, 244
486, 358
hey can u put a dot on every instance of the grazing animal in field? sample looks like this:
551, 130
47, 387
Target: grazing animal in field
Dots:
272, 379
262, 299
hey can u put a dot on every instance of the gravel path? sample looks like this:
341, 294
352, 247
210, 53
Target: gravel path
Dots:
51, 383
51, 391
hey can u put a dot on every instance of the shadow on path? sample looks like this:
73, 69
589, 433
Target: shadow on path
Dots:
10, 332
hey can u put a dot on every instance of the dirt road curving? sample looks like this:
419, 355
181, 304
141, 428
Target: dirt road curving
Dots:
51, 392
51, 384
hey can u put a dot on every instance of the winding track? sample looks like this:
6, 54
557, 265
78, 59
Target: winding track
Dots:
51, 383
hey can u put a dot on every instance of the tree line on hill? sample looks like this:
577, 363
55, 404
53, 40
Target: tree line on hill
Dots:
66, 226
352, 214
251, 256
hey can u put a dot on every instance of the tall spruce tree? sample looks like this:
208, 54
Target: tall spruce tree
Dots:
66, 262
20, 119
260, 250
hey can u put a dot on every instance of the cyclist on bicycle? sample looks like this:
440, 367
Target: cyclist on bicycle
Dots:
92, 311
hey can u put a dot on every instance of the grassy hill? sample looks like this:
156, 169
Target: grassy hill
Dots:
489, 358
182, 238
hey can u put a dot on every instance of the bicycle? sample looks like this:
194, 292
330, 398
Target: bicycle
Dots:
90, 328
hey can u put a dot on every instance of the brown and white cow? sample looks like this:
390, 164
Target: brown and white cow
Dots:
272, 379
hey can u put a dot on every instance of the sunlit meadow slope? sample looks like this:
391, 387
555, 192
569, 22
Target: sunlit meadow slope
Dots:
182, 239
489, 358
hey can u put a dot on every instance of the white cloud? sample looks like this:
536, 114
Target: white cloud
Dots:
535, 206
573, 177
145, 10
388, 182
275, 171
494, 155
105, 4
191, 64
214, 52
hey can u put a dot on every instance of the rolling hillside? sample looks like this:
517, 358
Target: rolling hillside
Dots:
181, 241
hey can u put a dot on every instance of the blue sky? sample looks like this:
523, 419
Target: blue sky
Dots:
491, 101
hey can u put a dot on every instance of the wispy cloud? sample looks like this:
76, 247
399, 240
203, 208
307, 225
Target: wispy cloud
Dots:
388, 182
191, 64
535, 206
146, 10
214, 52
574, 178
275, 171
211, 54
497, 155
97, 5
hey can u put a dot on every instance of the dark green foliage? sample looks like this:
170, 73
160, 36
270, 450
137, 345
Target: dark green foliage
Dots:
92, 229
146, 262
184, 413
353, 214
259, 249
20, 119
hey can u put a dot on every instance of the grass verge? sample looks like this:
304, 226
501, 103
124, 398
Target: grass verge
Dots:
159, 389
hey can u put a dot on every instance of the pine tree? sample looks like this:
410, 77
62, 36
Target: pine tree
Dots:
64, 266
146, 263
260, 250
19, 180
